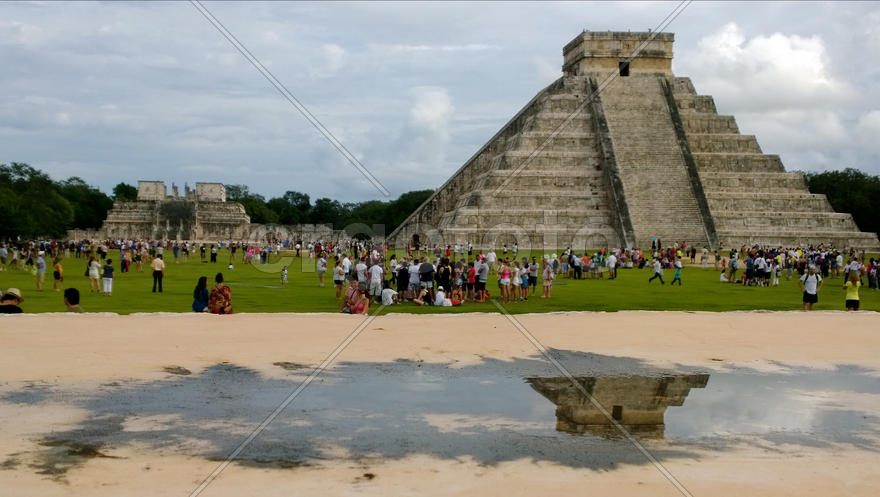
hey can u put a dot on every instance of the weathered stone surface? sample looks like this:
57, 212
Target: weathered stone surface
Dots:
644, 157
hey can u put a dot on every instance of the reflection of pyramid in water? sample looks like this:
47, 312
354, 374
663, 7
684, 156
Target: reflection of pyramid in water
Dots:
637, 402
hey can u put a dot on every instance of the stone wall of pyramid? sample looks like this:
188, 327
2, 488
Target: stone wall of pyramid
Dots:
616, 153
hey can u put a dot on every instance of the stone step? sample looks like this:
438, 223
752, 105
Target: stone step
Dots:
749, 181
708, 123
550, 121
695, 103
515, 200
725, 200
535, 184
798, 238
737, 162
568, 142
807, 221
723, 143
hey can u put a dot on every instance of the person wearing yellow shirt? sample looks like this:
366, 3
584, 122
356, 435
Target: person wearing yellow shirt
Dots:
852, 291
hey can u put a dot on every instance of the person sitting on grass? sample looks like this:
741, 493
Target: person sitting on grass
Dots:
422, 297
220, 299
361, 303
350, 296
200, 295
389, 296
71, 300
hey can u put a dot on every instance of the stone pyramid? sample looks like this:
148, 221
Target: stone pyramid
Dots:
619, 151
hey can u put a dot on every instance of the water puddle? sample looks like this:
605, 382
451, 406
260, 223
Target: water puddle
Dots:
490, 412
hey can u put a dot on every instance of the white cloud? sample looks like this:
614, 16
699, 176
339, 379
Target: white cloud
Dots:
432, 108
868, 130
334, 56
772, 72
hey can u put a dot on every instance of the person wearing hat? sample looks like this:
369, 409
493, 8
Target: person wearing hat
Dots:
10, 300
440, 296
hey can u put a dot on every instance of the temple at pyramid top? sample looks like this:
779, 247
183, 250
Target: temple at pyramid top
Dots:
607, 51
621, 152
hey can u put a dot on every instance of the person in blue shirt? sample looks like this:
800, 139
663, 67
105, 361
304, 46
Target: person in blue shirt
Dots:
200, 295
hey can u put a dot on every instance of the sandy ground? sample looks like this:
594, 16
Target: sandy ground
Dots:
73, 355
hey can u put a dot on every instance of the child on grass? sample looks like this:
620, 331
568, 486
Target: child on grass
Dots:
284, 276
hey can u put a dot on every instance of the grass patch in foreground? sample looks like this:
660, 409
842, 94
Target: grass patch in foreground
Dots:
258, 288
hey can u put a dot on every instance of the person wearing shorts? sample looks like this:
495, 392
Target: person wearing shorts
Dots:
811, 283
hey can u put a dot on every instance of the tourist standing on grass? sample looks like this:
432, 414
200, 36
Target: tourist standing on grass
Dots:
658, 271
107, 278
322, 268
220, 299
41, 270
548, 276
810, 283
284, 276
57, 274
533, 276
376, 279
200, 295
852, 291
94, 274
338, 277
158, 266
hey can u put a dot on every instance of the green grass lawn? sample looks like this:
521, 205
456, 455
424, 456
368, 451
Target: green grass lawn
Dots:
258, 289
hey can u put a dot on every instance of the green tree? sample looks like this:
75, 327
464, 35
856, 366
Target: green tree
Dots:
124, 191
850, 191
37, 208
90, 205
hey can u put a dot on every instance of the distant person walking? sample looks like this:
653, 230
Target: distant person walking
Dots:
158, 266
658, 272
677, 276
852, 291
810, 283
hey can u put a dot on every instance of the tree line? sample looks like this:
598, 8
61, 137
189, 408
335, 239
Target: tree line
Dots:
33, 205
850, 191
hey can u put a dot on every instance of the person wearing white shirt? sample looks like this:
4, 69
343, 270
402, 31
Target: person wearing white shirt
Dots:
658, 272
440, 297
376, 272
612, 266
414, 276
811, 283
389, 296
346, 267
490, 258
361, 270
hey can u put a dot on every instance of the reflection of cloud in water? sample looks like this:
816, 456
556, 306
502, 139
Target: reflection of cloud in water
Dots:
484, 411
805, 403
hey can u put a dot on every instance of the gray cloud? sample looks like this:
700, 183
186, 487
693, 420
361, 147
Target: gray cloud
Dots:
127, 91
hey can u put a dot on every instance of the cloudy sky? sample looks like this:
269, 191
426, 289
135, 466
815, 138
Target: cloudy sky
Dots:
117, 92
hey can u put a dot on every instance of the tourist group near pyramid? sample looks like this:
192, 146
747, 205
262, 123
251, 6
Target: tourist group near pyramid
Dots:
620, 151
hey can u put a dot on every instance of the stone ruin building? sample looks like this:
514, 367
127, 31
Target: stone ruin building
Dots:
638, 403
201, 215
616, 152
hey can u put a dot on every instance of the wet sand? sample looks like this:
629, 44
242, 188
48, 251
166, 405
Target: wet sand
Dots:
437, 405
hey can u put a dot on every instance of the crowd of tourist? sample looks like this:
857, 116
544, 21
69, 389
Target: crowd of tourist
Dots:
365, 273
